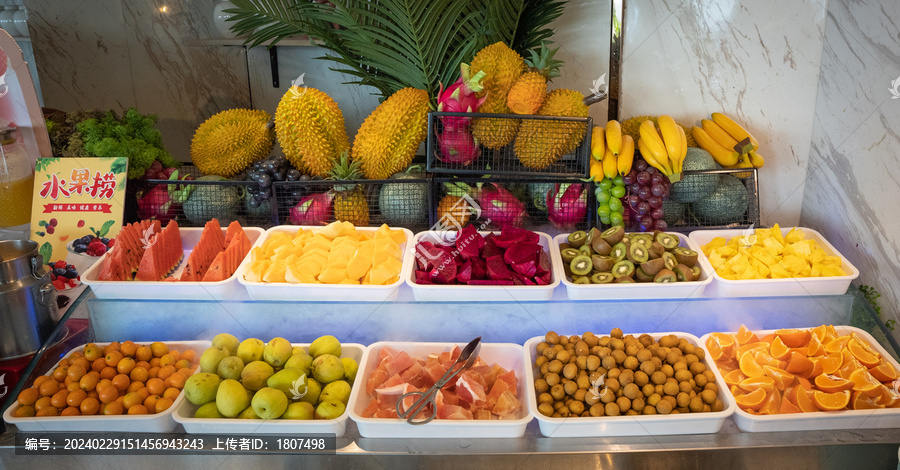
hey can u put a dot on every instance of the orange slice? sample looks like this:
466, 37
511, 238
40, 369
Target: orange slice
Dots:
767, 338
752, 400
850, 366
890, 398
804, 382
724, 341
861, 401
779, 350
745, 336
837, 345
787, 407
794, 338
790, 394
805, 402
715, 350
830, 363
751, 384
816, 370
819, 332
815, 347
831, 401
754, 346
799, 364
862, 353
750, 367
771, 404
864, 382
884, 372
734, 377
765, 359
782, 378
832, 383
829, 332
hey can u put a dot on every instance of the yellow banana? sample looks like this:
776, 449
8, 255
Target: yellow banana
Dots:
718, 134
609, 165
648, 157
756, 159
596, 170
734, 129
653, 141
598, 143
670, 136
626, 156
721, 155
614, 137
683, 152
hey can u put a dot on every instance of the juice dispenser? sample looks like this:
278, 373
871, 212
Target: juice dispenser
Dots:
16, 181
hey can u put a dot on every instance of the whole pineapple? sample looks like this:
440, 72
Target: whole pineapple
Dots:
310, 128
388, 139
453, 208
527, 95
502, 67
350, 202
541, 143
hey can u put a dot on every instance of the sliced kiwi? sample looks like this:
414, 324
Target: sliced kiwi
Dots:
600, 246
669, 259
623, 268
668, 240
581, 280
602, 263
664, 276
696, 270
624, 280
653, 266
642, 238
683, 273
563, 246
569, 254
619, 251
685, 256
638, 253
586, 250
602, 278
581, 265
593, 234
613, 234
642, 276
656, 250
576, 239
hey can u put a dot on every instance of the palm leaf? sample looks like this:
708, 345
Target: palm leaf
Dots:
533, 25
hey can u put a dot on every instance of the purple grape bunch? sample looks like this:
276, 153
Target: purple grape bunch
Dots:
647, 189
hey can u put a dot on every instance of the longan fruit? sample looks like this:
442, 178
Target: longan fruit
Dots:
570, 388
624, 404
700, 380
579, 394
612, 385
557, 405
638, 404
685, 387
592, 362
712, 386
607, 395
540, 386
584, 382
541, 347
545, 409
648, 367
576, 407
570, 371
640, 378
663, 407
671, 389
619, 356
616, 333
595, 350
591, 397
597, 410
717, 406
631, 391
698, 368
563, 356
581, 362
710, 376
680, 365
591, 340
557, 392
551, 337
682, 399
701, 355
612, 409
690, 358
632, 348
696, 404
653, 399
550, 353
648, 389
649, 410
563, 340
668, 370
613, 373
555, 366
708, 397
626, 377
631, 362
541, 360
582, 348
683, 375
617, 344
658, 378
545, 398
608, 362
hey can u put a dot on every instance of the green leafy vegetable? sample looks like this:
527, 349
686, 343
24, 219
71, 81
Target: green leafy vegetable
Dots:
871, 295
133, 137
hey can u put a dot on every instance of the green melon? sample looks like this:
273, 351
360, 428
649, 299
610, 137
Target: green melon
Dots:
405, 204
673, 212
693, 188
726, 205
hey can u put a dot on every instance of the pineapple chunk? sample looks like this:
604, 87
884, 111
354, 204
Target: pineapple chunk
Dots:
794, 236
331, 231
360, 263
332, 275
275, 273
776, 234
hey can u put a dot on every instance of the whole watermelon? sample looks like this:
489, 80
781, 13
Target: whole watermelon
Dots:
726, 205
405, 204
693, 188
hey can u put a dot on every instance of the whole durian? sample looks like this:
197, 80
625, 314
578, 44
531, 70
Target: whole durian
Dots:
388, 139
502, 67
231, 140
310, 128
540, 143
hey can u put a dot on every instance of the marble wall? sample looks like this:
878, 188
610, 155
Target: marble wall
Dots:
852, 182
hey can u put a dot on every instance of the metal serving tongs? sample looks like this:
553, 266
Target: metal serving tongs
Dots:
466, 359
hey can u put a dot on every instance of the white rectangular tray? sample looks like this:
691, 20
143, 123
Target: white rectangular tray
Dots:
508, 356
637, 290
160, 422
465, 293
184, 414
818, 420
229, 289
836, 285
323, 292
642, 425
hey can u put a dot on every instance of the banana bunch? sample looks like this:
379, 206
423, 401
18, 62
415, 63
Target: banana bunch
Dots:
729, 144
664, 149
612, 152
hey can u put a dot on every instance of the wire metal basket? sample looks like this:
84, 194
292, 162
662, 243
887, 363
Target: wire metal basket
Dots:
451, 148
717, 199
396, 202
492, 202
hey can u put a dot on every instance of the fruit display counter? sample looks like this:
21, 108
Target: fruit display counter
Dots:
406, 320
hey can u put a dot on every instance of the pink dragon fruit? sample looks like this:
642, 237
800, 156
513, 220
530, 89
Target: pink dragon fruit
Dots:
460, 98
458, 146
567, 205
500, 206
314, 209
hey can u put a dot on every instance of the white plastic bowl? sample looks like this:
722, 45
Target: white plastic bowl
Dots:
160, 422
81, 261
835, 285
229, 289
323, 292
641, 425
818, 420
508, 356
184, 413
637, 290
465, 293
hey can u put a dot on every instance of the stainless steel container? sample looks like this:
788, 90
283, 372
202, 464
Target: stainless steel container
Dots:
27, 299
